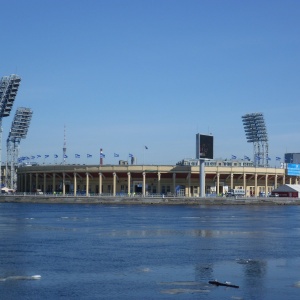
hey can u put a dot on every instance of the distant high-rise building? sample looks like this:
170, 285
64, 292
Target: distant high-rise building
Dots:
292, 158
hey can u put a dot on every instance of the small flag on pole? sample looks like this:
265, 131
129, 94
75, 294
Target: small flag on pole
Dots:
116, 155
77, 155
47, 155
233, 157
130, 155
89, 155
102, 155
278, 158
55, 156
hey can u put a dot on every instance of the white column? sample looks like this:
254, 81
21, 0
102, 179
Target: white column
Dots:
202, 178
64, 184
266, 185
128, 183
255, 185
144, 184
189, 184
87, 184
158, 183
75, 184
218, 184
100, 183
114, 183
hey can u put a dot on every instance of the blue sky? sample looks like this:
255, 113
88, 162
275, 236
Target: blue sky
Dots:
120, 75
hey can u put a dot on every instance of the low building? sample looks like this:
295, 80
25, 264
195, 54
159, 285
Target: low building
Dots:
288, 190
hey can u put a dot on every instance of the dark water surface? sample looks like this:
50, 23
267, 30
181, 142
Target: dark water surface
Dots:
148, 252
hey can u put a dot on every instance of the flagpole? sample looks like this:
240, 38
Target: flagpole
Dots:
145, 148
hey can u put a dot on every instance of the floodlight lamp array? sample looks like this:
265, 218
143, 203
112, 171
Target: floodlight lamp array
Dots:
9, 86
20, 124
255, 128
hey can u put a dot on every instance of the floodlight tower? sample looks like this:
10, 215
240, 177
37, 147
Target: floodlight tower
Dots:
9, 86
256, 133
18, 131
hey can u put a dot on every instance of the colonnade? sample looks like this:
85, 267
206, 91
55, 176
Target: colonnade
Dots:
189, 180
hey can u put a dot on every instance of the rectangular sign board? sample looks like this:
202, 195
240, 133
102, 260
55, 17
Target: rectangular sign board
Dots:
293, 169
204, 146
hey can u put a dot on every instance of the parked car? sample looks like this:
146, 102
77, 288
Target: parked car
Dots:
7, 191
274, 195
38, 192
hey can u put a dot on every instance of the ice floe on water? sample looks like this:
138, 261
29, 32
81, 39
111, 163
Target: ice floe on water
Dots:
144, 270
183, 291
185, 287
244, 261
33, 277
297, 284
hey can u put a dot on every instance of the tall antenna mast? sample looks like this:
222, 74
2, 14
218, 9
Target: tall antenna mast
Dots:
65, 147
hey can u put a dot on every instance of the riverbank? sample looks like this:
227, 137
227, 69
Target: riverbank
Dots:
147, 200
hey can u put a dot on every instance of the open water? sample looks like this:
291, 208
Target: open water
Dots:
69, 251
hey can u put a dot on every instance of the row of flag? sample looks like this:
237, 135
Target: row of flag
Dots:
47, 156
257, 157
102, 155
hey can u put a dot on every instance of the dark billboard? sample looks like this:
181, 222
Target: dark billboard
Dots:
204, 146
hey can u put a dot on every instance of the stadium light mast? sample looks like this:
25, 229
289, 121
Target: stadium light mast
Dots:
18, 131
256, 133
9, 86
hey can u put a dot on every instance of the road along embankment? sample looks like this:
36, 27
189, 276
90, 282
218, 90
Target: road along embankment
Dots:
146, 200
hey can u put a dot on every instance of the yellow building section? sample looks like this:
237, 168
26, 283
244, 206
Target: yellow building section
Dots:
149, 180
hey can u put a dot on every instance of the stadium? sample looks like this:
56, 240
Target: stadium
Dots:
202, 175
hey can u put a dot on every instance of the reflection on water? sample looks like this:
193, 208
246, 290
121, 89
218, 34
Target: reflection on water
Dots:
33, 277
151, 252
177, 233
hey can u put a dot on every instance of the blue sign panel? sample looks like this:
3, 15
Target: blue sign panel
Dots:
293, 169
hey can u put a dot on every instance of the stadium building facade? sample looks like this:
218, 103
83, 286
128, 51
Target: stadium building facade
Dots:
181, 179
